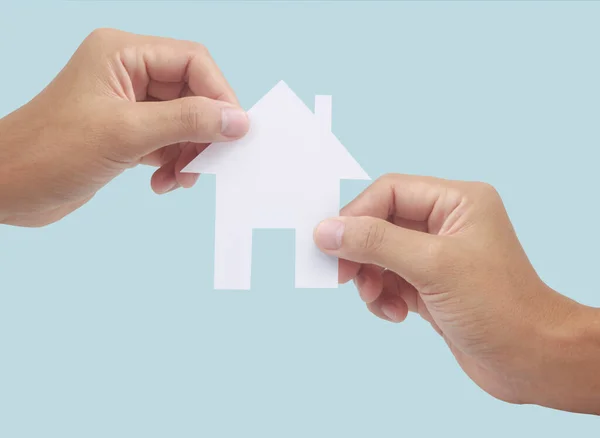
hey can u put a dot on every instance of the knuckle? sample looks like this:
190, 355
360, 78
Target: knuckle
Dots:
191, 116
101, 34
386, 179
103, 40
201, 49
373, 237
484, 189
485, 194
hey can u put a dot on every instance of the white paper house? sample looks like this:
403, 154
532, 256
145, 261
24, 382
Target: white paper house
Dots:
285, 173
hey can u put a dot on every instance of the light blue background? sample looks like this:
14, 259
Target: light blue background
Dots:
108, 324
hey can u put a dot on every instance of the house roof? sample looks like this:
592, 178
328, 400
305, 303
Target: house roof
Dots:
285, 139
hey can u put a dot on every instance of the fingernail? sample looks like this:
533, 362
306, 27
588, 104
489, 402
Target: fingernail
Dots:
173, 187
389, 310
169, 188
329, 234
234, 122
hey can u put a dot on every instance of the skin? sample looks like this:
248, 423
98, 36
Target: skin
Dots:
443, 249
447, 251
122, 100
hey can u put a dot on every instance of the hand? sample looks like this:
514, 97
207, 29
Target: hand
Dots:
121, 100
447, 251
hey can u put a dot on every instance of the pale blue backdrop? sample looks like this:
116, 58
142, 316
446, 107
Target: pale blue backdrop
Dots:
108, 324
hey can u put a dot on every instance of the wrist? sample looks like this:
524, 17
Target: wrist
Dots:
567, 372
20, 132
5, 132
9, 147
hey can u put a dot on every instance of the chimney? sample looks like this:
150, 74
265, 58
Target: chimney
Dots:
323, 111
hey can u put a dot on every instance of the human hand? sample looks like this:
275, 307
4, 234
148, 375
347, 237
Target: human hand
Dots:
447, 251
121, 100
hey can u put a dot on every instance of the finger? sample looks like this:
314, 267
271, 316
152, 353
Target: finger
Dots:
204, 78
189, 151
398, 292
396, 286
164, 180
376, 310
369, 283
161, 156
394, 310
392, 302
151, 125
164, 60
367, 240
347, 270
415, 202
165, 90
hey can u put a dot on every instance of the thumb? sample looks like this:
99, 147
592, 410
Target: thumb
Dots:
195, 119
368, 240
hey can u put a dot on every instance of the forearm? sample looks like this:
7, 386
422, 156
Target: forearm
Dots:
5, 158
570, 367
24, 162
12, 143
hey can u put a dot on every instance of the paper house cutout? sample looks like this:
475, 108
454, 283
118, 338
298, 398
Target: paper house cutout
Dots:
285, 173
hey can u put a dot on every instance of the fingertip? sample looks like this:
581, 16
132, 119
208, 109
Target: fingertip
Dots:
163, 187
395, 310
234, 122
164, 180
375, 309
369, 284
328, 234
174, 187
347, 270
389, 309
186, 180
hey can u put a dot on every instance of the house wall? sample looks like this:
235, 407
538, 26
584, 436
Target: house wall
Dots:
288, 203
293, 204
